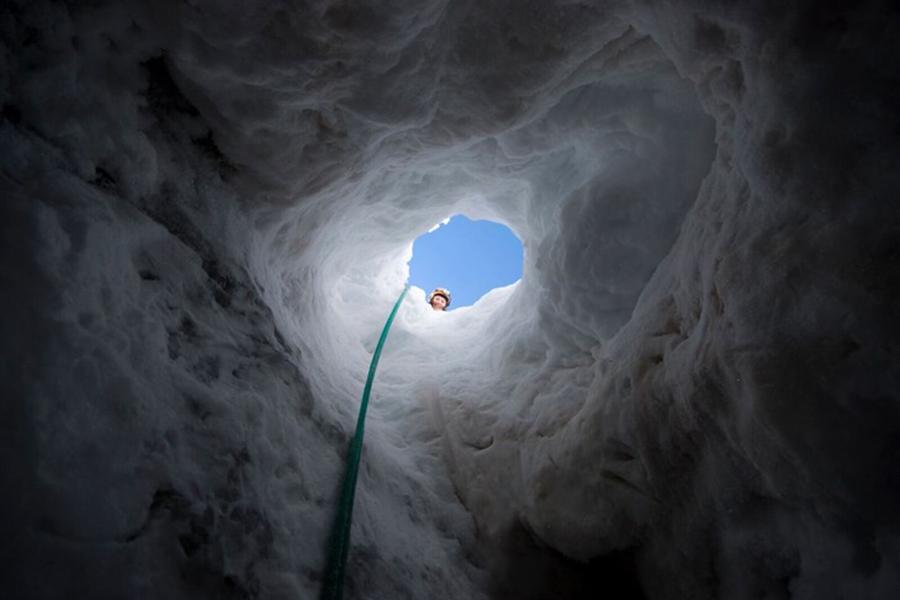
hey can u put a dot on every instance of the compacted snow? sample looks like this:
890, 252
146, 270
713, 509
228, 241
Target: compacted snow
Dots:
208, 210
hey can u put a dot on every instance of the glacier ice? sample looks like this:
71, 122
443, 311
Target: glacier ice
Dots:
208, 211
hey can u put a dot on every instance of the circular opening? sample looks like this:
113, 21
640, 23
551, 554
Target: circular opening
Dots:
468, 258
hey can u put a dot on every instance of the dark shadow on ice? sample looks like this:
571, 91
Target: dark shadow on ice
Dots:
524, 569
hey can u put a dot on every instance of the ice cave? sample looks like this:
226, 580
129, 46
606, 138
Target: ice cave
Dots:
207, 214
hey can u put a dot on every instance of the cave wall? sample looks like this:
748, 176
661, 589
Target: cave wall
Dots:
208, 211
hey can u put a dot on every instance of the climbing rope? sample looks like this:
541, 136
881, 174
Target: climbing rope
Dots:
333, 587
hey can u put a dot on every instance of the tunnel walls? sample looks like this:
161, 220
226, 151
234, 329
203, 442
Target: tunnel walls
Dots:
207, 215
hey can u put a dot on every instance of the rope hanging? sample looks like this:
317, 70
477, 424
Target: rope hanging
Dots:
333, 588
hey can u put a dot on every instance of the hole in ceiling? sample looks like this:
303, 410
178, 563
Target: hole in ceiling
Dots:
469, 258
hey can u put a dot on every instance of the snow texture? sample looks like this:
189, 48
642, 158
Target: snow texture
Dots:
208, 209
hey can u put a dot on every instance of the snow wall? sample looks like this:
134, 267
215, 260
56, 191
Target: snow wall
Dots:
208, 209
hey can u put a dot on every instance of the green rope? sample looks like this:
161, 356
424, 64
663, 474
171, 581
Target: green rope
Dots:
333, 587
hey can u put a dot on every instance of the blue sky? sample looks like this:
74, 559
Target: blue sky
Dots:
469, 258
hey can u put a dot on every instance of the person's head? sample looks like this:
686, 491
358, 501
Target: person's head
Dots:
439, 299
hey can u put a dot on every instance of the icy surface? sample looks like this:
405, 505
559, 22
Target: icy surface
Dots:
208, 209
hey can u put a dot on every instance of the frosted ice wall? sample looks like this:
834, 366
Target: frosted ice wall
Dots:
208, 210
